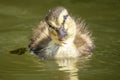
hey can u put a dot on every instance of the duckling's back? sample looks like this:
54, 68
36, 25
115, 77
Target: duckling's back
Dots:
83, 39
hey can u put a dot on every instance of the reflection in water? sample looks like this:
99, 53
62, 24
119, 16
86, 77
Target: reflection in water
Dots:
70, 66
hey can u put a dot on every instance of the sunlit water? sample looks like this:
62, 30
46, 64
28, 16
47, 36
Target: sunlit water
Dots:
16, 20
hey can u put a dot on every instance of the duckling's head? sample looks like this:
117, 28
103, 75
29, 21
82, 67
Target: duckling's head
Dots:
62, 27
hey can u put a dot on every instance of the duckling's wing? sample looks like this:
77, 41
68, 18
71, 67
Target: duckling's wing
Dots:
40, 38
83, 39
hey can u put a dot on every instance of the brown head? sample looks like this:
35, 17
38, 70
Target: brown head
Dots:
62, 27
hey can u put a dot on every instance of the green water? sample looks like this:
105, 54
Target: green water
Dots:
16, 20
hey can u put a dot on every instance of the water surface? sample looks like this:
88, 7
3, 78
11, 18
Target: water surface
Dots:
16, 20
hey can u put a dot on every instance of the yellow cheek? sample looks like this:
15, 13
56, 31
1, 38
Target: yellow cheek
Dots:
53, 34
60, 20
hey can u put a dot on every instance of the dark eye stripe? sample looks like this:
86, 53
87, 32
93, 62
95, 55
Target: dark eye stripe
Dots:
52, 27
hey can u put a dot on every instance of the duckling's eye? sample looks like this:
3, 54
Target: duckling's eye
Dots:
65, 17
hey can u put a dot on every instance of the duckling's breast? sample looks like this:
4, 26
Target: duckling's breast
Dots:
62, 51
67, 51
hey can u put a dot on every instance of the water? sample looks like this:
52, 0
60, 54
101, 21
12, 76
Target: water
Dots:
16, 20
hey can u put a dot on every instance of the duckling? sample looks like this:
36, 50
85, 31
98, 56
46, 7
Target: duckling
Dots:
61, 36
